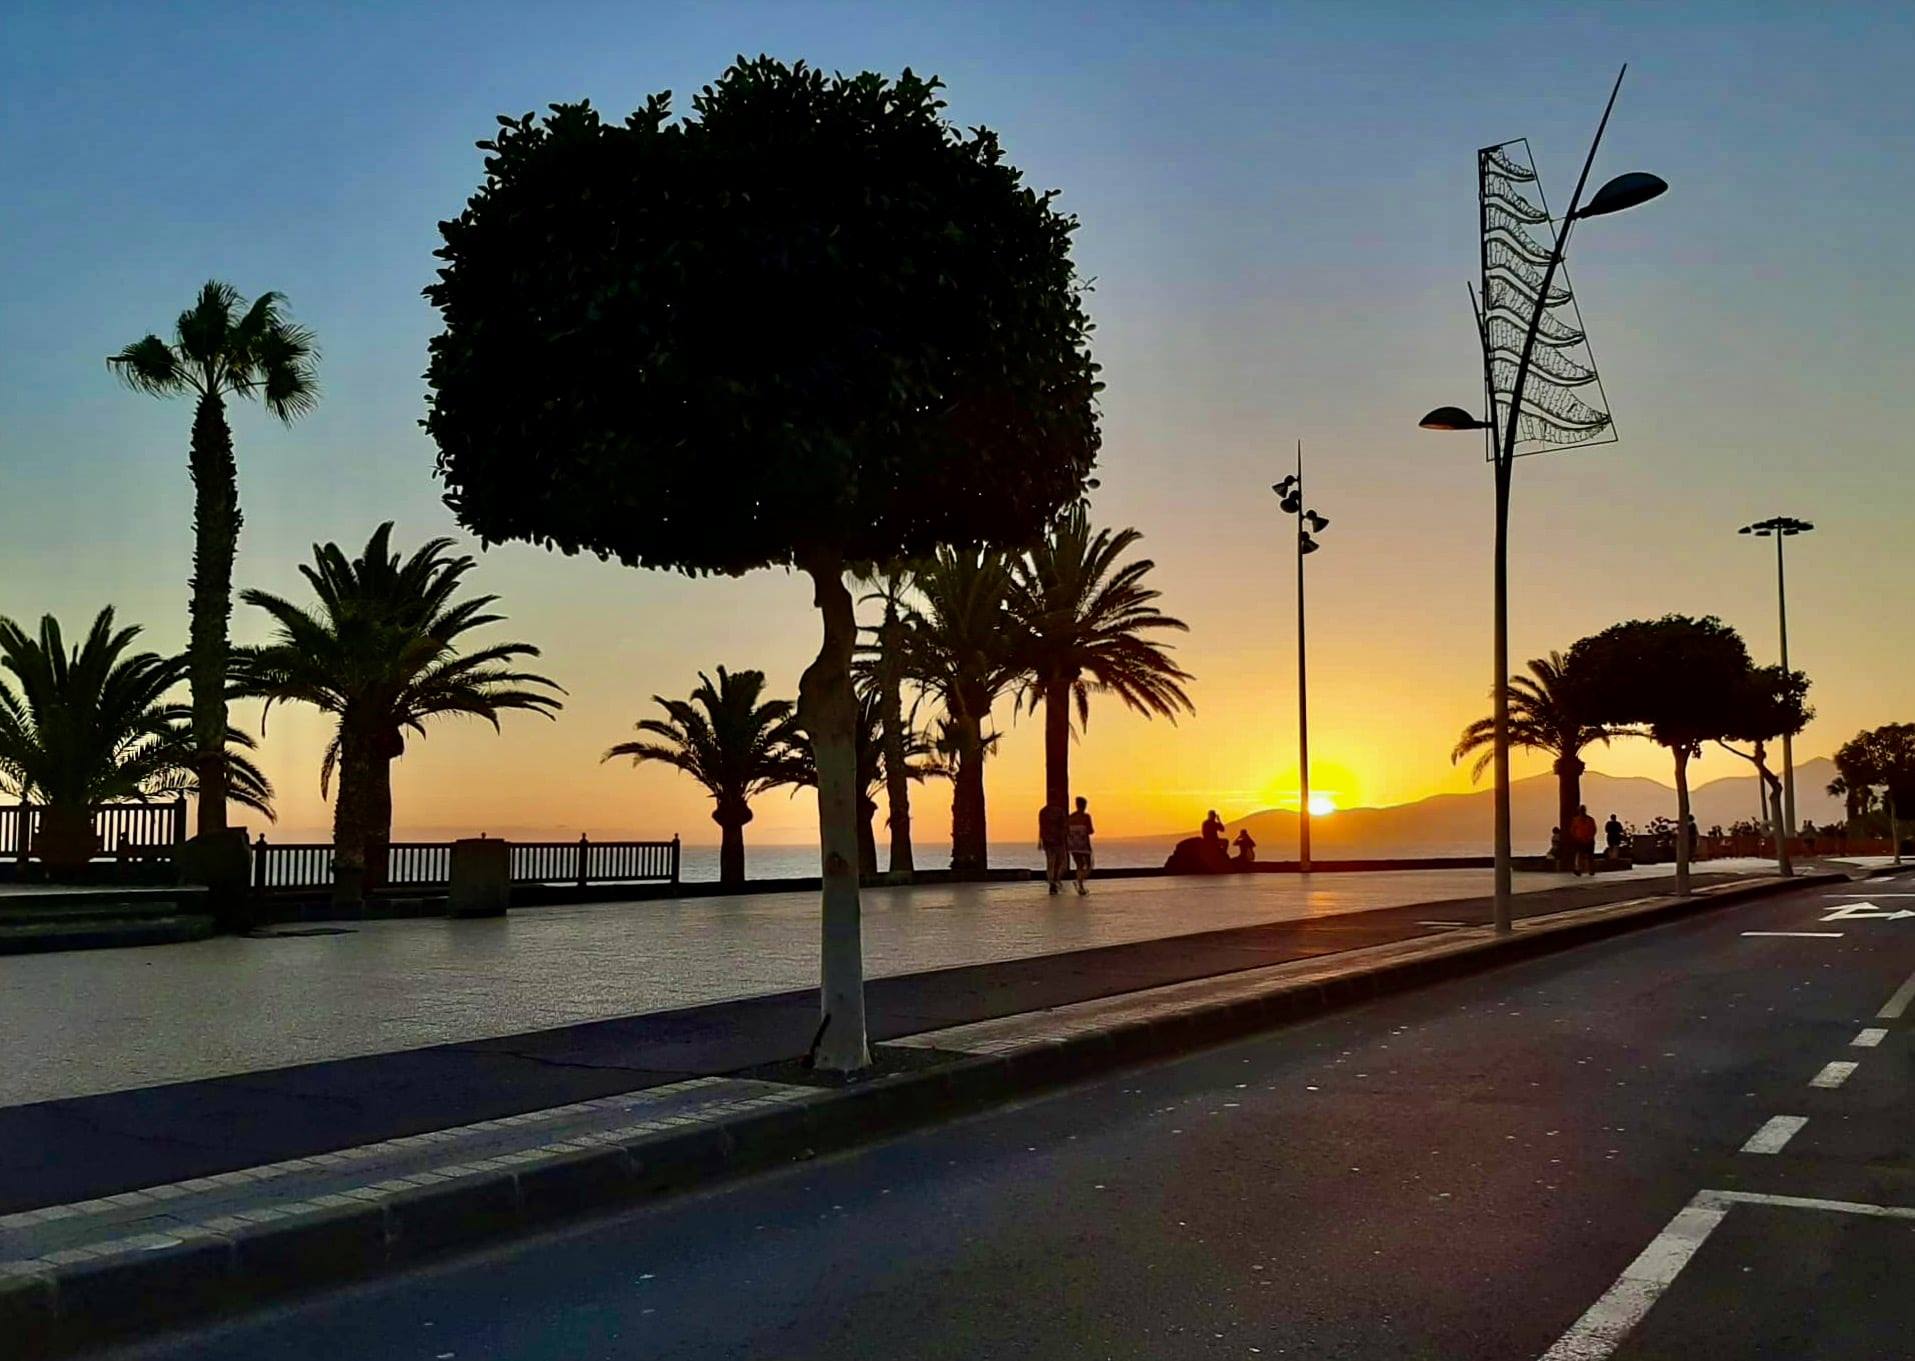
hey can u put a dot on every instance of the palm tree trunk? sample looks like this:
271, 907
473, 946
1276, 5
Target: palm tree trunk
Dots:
969, 853
1057, 742
1569, 791
1682, 820
897, 780
731, 850
827, 711
352, 819
867, 839
216, 522
379, 823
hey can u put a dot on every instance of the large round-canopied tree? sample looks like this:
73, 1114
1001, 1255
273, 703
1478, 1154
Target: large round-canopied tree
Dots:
1683, 679
813, 325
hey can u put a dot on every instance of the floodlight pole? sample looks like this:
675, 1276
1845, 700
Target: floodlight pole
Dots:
1303, 694
1788, 744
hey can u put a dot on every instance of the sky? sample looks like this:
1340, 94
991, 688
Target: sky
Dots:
1277, 207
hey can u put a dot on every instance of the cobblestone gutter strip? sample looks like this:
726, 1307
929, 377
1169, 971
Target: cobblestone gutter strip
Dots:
175, 1268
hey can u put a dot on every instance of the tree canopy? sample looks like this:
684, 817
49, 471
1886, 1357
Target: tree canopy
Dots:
813, 320
1678, 676
1883, 758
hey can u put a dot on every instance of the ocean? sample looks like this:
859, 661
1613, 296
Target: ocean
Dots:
700, 863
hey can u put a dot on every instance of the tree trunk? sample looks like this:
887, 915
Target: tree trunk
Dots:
731, 846
1569, 791
867, 839
352, 818
969, 850
1057, 742
216, 523
897, 780
379, 824
1894, 829
1682, 821
1777, 825
827, 712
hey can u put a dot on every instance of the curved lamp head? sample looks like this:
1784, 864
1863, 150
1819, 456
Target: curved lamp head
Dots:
1451, 418
1625, 191
1318, 523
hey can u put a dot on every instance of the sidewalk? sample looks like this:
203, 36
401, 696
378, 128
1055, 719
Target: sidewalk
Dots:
84, 1023
85, 1147
75, 1271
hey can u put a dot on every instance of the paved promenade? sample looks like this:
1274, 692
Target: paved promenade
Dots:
107, 1020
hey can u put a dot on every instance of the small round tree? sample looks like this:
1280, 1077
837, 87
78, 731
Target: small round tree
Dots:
811, 326
1683, 679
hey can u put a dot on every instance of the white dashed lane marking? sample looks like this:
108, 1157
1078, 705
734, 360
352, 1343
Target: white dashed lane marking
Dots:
1819, 935
1833, 1074
1896, 1005
1869, 1038
1775, 1133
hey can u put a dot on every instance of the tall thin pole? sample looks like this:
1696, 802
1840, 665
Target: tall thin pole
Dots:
1303, 692
1788, 745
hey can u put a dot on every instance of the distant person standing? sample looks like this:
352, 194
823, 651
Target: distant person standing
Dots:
1612, 836
1582, 841
1051, 837
1556, 848
1694, 833
1078, 831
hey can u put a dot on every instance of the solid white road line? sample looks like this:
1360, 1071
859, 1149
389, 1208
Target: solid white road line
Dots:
1869, 895
1896, 1005
1819, 935
1851, 1207
1776, 1131
1607, 1322
1833, 1074
1869, 1038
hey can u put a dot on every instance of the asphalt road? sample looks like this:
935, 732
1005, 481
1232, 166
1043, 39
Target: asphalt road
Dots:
1459, 1172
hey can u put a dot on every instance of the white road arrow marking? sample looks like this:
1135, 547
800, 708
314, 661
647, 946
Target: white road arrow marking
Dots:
1865, 912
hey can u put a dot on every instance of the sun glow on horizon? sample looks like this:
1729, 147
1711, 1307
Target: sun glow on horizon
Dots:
1322, 805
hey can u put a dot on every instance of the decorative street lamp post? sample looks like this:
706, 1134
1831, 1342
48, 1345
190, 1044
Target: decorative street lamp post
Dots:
1536, 401
1308, 523
1779, 528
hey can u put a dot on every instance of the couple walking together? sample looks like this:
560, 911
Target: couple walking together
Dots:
1059, 835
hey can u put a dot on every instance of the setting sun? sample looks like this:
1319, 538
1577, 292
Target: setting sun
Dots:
1322, 805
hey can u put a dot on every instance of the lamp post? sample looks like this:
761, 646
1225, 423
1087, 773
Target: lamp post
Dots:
1290, 490
1624, 191
1779, 528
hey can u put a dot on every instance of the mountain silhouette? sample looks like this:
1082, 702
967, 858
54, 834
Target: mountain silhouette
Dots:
1459, 824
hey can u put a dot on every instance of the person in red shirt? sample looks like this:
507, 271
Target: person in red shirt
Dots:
1582, 841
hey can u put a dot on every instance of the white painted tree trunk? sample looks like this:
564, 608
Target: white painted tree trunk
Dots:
827, 713
1682, 822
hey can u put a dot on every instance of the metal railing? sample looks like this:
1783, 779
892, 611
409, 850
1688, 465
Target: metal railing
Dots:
145, 830
428, 864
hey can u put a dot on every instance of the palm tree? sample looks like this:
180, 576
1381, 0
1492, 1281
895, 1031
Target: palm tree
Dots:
731, 743
879, 667
871, 743
1082, 618
1543, 717
380, 654
221, 347
92, 725
960, 643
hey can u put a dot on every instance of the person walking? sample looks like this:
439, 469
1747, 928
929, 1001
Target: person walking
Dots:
1612, 837
1078, 831
1582, 840
1051, 836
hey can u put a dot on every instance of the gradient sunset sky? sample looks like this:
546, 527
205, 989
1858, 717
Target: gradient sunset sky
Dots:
1278, 211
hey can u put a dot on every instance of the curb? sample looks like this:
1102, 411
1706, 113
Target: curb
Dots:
237, 1263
